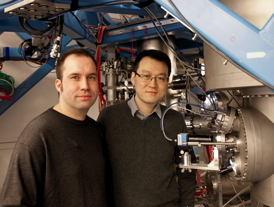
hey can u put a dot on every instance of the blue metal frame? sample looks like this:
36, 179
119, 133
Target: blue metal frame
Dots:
26, 85
237, 39
128, 36
34, 78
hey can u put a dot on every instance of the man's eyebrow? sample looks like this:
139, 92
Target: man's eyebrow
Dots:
93, 74
74, 74
149, 71
80, 74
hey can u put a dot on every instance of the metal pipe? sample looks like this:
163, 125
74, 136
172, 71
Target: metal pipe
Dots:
199, 139
208, 143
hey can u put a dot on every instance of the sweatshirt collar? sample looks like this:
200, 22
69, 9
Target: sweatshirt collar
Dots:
134, 109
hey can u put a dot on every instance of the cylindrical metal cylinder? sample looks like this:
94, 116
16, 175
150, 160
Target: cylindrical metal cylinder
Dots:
187, 159
111, 81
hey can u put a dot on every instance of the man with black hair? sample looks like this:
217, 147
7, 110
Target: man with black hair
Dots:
142, 160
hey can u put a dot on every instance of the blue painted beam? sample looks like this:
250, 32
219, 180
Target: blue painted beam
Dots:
92, 18
119, 7
3, 5
127, 33
10, 24
65, 41
78, 32
11, 53
23, 36
26, 85
34, 78
249, 48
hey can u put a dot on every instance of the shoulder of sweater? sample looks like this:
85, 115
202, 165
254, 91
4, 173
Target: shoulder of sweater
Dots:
42, 118
92, 121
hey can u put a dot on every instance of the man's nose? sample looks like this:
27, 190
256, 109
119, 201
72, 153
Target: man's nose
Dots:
85, 84
153, 82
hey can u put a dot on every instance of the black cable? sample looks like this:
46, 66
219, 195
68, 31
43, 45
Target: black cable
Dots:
169, 46
164, 31
52, 25
82, 25
61, 25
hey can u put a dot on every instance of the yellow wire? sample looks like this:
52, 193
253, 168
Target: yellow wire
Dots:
12, 91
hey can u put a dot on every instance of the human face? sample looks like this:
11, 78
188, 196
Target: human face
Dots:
78, 88
148, 94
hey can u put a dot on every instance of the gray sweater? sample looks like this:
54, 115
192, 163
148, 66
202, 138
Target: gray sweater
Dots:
57, 162
142, 161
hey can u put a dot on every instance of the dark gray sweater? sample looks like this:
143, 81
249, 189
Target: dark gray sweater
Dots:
57, 162
142, 161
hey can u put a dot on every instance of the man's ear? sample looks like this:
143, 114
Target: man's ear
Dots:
133, 76
58, 85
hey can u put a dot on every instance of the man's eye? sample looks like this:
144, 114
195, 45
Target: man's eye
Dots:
74, 77
93, 78
161, 78
146, 76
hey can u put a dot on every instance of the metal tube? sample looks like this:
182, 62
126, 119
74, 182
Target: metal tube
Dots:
208, 143
187, 160
199, 138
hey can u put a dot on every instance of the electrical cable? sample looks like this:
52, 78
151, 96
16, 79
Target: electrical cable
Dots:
242, 204
47, 36
182, 63
98, 59
84, 27
239, 193
102, 19
26, 49
171, 105
234, 187
151, 15
52, 26
176, 54
4, 88
1, 64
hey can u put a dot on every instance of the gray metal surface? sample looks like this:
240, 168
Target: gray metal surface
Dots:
256, 145
263, 191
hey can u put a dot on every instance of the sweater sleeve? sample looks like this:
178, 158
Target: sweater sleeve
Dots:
22, 186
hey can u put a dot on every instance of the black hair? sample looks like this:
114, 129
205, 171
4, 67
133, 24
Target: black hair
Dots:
154, 54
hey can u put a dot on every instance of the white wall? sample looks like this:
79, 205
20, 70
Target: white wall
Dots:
41, 97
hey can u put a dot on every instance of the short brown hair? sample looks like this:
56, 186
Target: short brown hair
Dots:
78, 51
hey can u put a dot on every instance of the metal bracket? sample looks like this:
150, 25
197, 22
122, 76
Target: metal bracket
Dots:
36, 9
